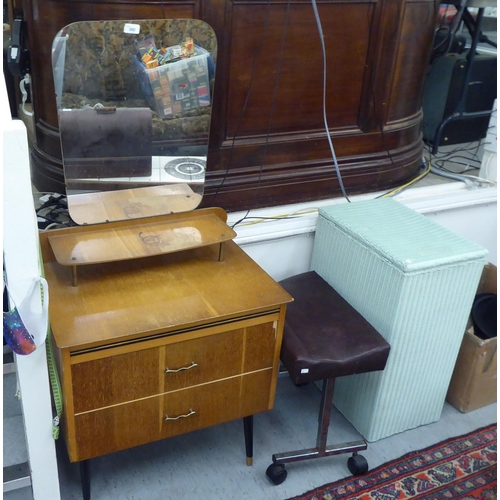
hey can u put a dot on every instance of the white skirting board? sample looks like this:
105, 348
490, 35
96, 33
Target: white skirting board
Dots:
282, 241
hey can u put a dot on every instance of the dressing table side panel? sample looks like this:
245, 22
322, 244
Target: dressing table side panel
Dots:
68, 414
279, 326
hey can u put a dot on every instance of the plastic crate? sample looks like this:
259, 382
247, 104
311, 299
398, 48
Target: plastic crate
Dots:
178, 87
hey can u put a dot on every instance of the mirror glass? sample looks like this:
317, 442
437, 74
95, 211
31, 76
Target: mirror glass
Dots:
134, 101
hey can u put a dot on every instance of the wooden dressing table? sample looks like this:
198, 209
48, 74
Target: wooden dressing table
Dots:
157, 345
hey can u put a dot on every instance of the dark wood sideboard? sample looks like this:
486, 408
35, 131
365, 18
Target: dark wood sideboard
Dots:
267, 142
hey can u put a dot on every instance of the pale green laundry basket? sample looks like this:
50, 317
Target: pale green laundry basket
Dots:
415, 282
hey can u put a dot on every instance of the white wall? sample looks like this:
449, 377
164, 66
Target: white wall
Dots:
20, 245
283, 247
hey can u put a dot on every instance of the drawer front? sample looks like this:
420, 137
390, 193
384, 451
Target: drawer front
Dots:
218, 356
202, 360
115, 379
123, 426
126, 377
210, 404
115, 428
260, 343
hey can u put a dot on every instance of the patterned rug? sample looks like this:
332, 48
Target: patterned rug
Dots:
463, 467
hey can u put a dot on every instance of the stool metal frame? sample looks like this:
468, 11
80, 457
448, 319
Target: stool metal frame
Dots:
357, 464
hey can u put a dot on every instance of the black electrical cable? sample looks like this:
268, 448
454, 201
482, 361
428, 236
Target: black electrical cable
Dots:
451, 31
327, 128
54, 211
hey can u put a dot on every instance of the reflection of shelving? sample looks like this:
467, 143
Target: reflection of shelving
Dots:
164, 170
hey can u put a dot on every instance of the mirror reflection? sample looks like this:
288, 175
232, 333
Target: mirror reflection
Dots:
134, 102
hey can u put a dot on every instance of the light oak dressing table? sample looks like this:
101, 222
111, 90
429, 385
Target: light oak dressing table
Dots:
163, 326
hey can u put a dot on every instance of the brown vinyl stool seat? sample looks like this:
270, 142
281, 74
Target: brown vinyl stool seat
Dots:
325, 338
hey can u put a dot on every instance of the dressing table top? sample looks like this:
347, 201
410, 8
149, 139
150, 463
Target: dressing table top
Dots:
123, 300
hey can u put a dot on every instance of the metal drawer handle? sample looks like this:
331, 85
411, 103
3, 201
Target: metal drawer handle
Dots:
191, 412
192, 365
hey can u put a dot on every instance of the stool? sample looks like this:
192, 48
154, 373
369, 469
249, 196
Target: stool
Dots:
325, 338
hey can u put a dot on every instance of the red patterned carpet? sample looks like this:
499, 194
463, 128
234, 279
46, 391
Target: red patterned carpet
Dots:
463, 467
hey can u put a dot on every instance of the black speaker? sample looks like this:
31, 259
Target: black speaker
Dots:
442, 93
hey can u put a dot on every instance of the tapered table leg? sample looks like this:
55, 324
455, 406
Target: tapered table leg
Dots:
85, 478
248, 428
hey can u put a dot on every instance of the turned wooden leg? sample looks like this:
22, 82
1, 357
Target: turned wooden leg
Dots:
85, 478
248, 427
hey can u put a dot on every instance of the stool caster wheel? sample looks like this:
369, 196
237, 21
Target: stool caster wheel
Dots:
357, 465
276, 473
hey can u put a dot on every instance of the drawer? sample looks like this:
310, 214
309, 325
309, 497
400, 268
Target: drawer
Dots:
123, 426
210, 404
115, 379
176, 365
218, 356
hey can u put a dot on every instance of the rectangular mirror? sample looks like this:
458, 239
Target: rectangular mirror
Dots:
134, 103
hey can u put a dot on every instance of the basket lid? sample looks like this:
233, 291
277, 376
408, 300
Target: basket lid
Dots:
399, 234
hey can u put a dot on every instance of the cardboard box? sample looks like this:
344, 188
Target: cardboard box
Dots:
474, 380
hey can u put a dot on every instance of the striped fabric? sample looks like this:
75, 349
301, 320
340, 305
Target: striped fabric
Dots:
414, 281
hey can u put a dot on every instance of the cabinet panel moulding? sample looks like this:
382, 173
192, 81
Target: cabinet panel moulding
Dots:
305, 2
313, 183
404, 123
286, 137
363, 147
305, 136
355, 164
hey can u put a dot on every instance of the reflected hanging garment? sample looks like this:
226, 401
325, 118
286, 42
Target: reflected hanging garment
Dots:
106, 142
